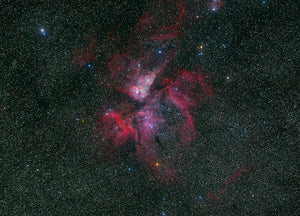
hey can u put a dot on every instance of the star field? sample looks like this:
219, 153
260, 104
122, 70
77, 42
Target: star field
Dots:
54, 60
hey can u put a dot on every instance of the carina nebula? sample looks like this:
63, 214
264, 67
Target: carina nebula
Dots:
157, 118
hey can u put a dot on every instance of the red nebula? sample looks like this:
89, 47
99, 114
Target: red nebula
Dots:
161, 125
164, 115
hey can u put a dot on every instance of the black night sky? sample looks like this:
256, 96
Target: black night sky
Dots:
49, 104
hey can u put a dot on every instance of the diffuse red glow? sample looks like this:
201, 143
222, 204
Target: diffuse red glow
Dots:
238, 173
83, 57
214, 5
163, 123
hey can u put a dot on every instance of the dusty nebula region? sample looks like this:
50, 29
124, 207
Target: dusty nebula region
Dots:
158, 118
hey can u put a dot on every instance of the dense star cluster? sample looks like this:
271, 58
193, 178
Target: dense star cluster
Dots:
155, 107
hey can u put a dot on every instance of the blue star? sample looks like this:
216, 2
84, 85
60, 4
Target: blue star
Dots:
200, 197
159, 52
89, 65
201, 53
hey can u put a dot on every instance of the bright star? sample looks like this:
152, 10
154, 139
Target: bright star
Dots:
43, 31
89, 65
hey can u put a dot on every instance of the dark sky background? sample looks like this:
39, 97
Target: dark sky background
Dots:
48, 107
